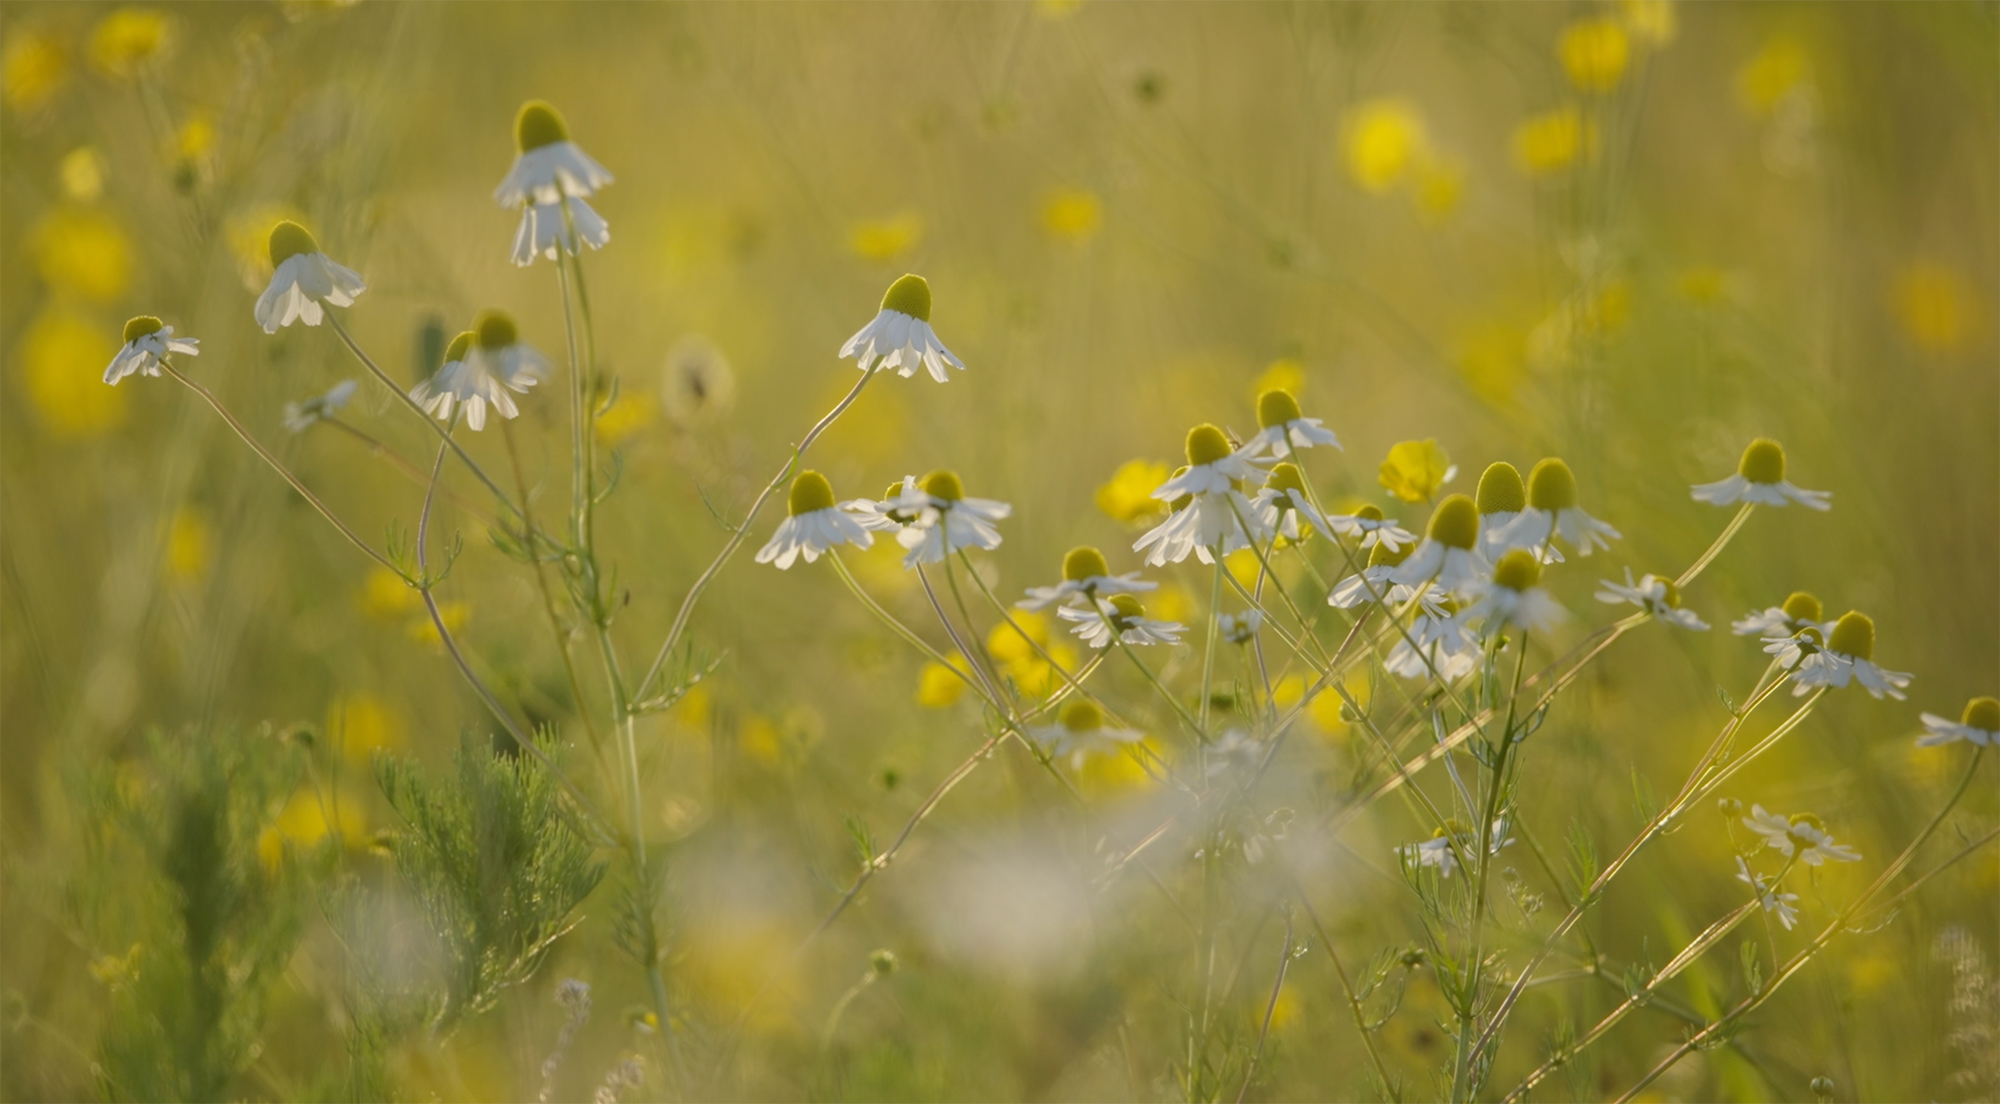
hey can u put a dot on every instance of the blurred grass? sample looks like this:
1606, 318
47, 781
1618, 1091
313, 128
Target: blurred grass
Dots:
1780, 220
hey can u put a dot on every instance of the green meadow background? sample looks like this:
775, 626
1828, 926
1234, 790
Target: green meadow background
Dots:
1633, 235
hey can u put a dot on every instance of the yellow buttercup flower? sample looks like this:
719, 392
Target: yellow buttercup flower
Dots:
32, 69
1770, 74
1549, 143
1933, 306
938, 686
309, 817
454, 615
82, 174
1381, 139
1283, 374
886, 239
123, 42
188, 546
1594, 53
62, 359
82, 251
1072, 214
1415, 470
358, 725
384, 594
1128, 497
1650, 22
633, 412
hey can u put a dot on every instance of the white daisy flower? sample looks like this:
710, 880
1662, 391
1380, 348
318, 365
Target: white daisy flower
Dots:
148, 341
1284, 500
1444, 644
1512, 595
544, 229
1980, 725
1552, 510
1847, 655
1501, 498
1802, 834
900, 337
1801, 611
1658, 597
1282, 428
1760, 478
1783, 905
887, 514
815, 525
551, 174
1210, 510
946, 520
1368, 524
1234, 750
1081, 733
300, 416
1437, 851
302, 277
1123, 613
479, 368
1449, 553
1375, 582
1239, 628
1085, 576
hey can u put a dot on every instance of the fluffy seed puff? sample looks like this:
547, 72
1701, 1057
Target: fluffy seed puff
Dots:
899, 337
1657, 596
944, 520
148, 342
816, 523
1210, 510
1760, 478
480, 367
548, 181
302, 278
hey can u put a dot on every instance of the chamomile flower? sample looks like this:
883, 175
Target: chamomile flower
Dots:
1282, 428
899, 337
946, 520
300, 416
816, 524
1124, 614
1239, 628
1657, 596
1449, 553
886, 514
148, 341
1217, 511
1760, 478
1085, 576
302, 278
1979, 725
1803, 835
1440, 644
1284, 500
1375, 582
1782, 905
1512, 595
1501, 498
1080, 732
1800, 611
1847, 655
480, 367
1552, 510
550, 177
1439, 850
1374, 529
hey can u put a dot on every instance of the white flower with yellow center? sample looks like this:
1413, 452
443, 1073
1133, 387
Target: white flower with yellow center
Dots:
1080, 733
1501, 498
1449, 553
1760, 478
1799, 612
899, 338
302, 278
548, 181
1552, 511
1657, 596
1440, 643
1209, 509
1282, 427
1369, 524
1513, 595
1848, 655
480, 367
1979, 725
1239, 628
1123, 614
1284, 501
1782, 905
301, 416
815, 525
1375, 582
1439, 850
1802, 835
944, 520
148, 341
1086, 576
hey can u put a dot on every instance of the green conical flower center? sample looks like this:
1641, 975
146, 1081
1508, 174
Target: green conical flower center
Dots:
1807, 820
1082, 716
1801, 606
1455, 523
894, 492
1275, 408
1205, 445
141, 326
1673, 595
288, 240
495, 330
909, 295
1082, 562
1763, 462
1552, 486
1181, 503
538, 125
1125, 607
1982, 713
1288, 477
1381, 556
1853, 635
811, 492
1517, 570
944, 484
460, 345
1370, 512
1501, 490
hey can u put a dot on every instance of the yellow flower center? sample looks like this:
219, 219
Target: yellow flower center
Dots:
810, 492
1501, 490
1517, 570
494, 330
1455, 523
1206, 444
1452, 827
1853, 635
1125, 607
1763, 462
1082, 716
1288, 477
1982, 713
944, 484
1082, 562
141, 326
1380, 556
1672, 598
288, 240
1276, 407
1801, 606
538, 125
1370, 512
1551, 485
909, 295
460, 345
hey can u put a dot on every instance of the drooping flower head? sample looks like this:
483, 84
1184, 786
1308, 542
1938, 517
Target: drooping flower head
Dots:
1513, 595
1655, 594
1368, 523
1501, 497
1852, 646
1217, 514
302, 278
1979, 725
1782, 905
301, 416
814, 525
1449, 553
1804, 835
1123, 614
899, 338
1282, 427
148, 342
1552, 511
480, 367
945, 520
1801, 610
1085, 576
550, 177
1439, 643
1376, 581
1080, 732
1760, 478
1285, 501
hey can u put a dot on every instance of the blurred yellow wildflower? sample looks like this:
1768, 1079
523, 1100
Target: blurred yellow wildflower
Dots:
82, 174
188, 546
1287, 691
1242, 566
1492, 356
1128, 497
1012, 644
32, 69
1283, 374
1594, 53
1072, 214
1327, 709
63, 355
424, 631
82, 251
1704, 284
938, 686
733, 957
358, 725
886, 239
384, 594
1414, 470
1169, 603
1933, 306
1773, 71
195, 138
1284, 1010
693, 709
1437, 190
1123, 770
1381, 139
1549, 143
307, 818
1650, 22
632, 412
1057, 9
123, 42
760, 740
116, 970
